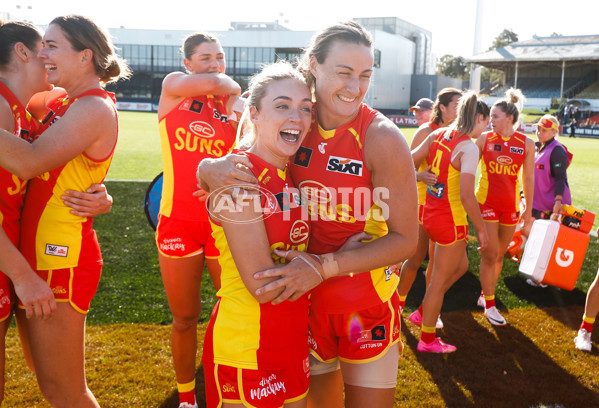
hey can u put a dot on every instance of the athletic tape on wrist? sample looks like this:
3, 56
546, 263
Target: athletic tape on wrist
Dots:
329, 266
312, 266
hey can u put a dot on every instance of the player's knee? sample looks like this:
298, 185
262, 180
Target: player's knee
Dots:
185, 323
490, 254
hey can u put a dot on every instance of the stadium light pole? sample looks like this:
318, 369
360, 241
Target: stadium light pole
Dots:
474, 68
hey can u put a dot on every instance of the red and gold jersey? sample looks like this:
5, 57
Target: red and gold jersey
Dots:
330, 171
443, 203
245, 333
196, 129
52, 237
501, 164
12, 187
420, 185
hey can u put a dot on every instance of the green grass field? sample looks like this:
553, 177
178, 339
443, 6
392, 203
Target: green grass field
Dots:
138, 157
529, 363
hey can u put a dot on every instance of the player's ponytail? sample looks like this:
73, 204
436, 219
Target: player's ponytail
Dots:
469, 107
512, 104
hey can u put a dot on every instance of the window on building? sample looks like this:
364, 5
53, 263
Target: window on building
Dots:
377, 58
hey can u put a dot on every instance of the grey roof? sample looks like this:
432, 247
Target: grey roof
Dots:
548, 49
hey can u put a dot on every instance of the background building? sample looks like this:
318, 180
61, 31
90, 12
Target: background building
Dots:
552, 72
401, 50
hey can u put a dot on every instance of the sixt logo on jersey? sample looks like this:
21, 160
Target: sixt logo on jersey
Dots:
345, 166
516, 150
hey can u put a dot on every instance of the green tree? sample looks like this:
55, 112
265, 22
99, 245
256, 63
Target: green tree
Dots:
506, 37
453, 67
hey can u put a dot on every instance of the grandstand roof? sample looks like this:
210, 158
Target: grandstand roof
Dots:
582, 48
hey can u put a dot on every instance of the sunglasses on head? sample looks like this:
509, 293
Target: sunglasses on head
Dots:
547, 124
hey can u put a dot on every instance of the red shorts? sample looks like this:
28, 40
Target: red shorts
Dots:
420, 214
255, 388
504, 217
356, 337
180, 238
76, 285
7, 293
5, 297
447, 236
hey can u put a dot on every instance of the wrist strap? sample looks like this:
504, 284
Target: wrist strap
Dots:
329, 266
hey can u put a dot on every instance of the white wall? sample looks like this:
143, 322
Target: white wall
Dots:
390, 87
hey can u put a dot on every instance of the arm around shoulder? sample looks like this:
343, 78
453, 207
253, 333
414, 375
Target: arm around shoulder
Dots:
387, 156
89, 126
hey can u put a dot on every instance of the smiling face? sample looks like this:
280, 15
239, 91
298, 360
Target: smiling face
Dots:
60, 59
341, 82
282, 120
422, 116
208, 57
449, 113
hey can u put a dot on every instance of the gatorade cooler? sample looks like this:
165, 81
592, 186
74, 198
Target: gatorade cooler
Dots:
554, 254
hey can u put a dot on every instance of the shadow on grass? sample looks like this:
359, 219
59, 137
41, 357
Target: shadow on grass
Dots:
173, 400
462, 295
497, 369
556, 302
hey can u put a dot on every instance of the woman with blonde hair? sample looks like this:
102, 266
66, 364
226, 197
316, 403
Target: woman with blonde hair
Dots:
506, 156
551, 188
256, 353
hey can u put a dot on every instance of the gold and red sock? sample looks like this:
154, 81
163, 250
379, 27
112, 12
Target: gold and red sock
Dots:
428, 334
402, 301
187, 392
587, 323
489, 301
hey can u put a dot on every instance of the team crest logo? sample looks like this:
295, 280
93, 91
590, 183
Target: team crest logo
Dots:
505, 160
299, 232
202, 129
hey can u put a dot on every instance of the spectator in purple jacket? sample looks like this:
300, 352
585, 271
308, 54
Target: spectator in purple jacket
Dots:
551, 162
551, 181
